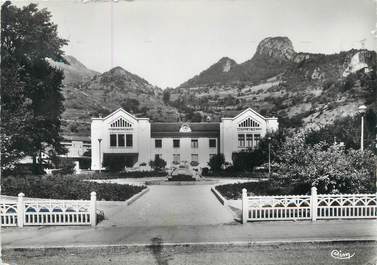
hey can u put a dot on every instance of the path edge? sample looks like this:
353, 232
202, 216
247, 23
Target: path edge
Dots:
136, 196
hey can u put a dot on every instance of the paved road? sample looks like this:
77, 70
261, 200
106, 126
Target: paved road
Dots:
251, 232
364, 253
168, 205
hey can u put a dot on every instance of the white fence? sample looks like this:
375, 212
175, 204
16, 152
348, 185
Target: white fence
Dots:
48, 212
308, 207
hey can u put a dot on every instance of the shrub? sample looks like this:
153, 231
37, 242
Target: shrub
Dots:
216, 162
66, 187
331, 169
158, 163
119, 175
194, 163
234, 191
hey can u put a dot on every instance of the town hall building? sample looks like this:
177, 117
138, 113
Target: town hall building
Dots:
138, 141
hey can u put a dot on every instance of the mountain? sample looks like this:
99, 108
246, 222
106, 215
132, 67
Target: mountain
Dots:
302, 89
100, 94
74, 70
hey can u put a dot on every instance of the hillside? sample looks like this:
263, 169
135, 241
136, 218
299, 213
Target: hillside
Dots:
74, 70
99, 94
302, 89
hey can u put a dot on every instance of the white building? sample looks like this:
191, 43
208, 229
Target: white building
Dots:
137, 140
76, 146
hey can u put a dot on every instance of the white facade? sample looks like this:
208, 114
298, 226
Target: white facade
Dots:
123, 134
76, 146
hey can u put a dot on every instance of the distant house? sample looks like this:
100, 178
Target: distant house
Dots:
77, 146
123, 137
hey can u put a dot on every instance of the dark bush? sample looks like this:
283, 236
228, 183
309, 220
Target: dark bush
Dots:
120, 175
157, 164
234, 191
216, 162
66, 187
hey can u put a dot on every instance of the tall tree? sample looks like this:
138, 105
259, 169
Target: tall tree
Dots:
31, 102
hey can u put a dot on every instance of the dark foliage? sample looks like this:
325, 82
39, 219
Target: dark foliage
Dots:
157, 164
66, 187
32, 101
234, 191
216, 162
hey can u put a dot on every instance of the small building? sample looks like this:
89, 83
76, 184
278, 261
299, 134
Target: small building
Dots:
76, 146
136, 141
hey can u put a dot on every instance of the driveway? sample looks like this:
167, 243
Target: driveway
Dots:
168, 205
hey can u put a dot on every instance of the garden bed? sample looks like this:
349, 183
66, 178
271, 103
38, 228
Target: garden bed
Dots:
262, 188
120, 175
66, 188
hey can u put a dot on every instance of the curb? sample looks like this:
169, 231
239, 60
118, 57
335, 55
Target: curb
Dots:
224, 202
136, 196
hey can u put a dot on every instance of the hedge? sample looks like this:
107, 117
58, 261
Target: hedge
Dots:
119, 175
66, 187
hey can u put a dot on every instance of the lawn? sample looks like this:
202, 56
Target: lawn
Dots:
68, 187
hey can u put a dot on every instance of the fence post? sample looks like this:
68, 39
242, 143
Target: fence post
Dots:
313, 203
245, 206
20, 210
93, 210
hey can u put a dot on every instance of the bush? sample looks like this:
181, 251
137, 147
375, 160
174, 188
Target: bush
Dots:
65, 166
331, 169
158, 163
234, 191
66, 187
120, 175
216, 162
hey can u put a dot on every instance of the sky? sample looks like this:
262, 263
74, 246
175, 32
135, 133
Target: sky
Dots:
169, 41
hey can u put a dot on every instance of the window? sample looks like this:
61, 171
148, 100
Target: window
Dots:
176, 159
113, 140
176, 143
249, 140
194, 158
212, 143
120, 139
194, 143
129, 142
256, 139
241, 140
158, 143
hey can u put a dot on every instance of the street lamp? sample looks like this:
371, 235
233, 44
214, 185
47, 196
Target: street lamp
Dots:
99, 149
269, 156
362, 110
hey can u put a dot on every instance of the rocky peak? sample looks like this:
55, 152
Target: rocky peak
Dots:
277, 47
226, 63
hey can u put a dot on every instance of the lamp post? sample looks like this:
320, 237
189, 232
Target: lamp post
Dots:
99, 151
362, 110
269, 156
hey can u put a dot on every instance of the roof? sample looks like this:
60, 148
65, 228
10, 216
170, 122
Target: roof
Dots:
198, 129
76, 138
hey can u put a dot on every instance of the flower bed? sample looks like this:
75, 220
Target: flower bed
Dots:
66, 187
234, 191
119, 175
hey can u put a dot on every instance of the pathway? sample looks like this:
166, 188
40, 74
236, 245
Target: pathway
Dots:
168, 205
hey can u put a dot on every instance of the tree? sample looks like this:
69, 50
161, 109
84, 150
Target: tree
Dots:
347, 130
331, 169
131, 105
216, 161
158, 163
166, 96
32, 102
